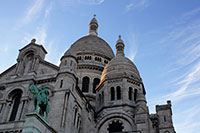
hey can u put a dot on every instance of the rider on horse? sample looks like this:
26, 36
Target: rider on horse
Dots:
40, 99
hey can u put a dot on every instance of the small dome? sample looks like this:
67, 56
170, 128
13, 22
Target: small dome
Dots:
120, 66
92, 45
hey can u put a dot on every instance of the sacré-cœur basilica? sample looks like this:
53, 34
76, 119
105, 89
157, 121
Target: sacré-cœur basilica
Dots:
91, 91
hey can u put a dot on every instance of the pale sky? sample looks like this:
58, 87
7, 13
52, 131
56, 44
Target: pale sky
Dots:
162, 38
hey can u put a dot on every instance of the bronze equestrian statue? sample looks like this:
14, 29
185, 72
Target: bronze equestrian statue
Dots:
40, 100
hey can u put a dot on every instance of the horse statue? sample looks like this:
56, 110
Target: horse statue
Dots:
40, 100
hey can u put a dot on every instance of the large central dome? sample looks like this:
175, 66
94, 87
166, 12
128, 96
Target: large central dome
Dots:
92, 54
91, 44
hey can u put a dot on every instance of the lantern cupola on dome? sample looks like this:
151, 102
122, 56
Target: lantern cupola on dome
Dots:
93, 26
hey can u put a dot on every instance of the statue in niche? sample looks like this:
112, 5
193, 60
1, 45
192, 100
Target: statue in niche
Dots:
28, 63
40, 100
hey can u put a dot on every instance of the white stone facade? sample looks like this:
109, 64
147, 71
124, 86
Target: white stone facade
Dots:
91, 91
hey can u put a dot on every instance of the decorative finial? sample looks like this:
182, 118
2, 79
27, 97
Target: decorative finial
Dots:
93, 26
120, 40
120, 46
119, 36
33, 40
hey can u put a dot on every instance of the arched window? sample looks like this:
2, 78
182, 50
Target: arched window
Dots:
118, 92
61, 83
71, 63
65, 62
85, 84
115, 127
135, 95
95, 83
112, 92
88, 57
79, 58
130, 93
165, 118
16, 96
97, 59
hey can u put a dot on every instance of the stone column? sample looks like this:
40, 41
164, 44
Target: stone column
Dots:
64, 112
1, 110
25, 109
5, 113
20, 109
36, 64
33, 64
19, 66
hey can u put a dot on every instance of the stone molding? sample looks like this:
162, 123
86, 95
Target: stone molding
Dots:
35, 123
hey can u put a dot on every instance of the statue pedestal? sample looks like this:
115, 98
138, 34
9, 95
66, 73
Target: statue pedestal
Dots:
36, 124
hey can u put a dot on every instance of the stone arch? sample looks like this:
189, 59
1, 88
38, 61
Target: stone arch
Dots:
28, 53
103, 123
10, 94
116, 125
6, 96
25, 60
25, 52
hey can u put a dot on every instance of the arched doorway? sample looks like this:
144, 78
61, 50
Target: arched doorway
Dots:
115, 127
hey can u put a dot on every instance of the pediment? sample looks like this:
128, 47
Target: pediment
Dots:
7, 73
